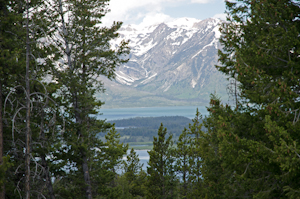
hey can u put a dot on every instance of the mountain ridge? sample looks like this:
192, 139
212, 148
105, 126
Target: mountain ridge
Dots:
171, 62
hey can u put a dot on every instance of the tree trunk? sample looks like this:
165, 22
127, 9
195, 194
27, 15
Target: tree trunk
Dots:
27, 133
48, 179
184, 176
86, 175
85, 168
65, 35
2, 188
44, 162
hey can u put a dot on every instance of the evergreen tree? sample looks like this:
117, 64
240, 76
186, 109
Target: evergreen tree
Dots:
134, 175
36, 36
257, 141
113, 154
216, 176
195, 130
23, 93
82, 52
184, 162
6, 63
162, 181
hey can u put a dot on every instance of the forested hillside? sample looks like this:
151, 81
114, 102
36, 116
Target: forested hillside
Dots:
145, 128
51, 55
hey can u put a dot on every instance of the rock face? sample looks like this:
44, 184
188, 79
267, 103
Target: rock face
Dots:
170, 64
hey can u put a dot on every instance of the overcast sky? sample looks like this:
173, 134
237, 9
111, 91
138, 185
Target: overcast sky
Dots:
151, 11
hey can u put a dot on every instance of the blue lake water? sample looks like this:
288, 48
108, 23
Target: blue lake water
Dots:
125, 113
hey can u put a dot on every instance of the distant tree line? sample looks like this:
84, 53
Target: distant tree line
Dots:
153, 122
147, 126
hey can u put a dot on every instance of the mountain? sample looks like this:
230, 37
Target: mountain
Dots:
170, 64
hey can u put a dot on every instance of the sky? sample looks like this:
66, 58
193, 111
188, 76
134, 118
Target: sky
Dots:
152, 11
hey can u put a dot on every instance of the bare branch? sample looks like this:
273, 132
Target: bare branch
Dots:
10, 92
246, 168
13, 122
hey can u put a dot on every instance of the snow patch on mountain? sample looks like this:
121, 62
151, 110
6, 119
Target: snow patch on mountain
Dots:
142, 49
124, 78
148, 79
193, 83
214, 43
217, 32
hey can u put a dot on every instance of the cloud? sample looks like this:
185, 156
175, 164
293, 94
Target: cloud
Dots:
133, 11
221, 16
201, 1
155, 18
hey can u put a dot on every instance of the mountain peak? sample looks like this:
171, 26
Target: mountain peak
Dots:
174, 59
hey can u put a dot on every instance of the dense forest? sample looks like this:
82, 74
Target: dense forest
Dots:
51, 55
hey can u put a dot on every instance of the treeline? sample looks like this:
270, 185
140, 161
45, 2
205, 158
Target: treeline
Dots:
153, 122
147, 126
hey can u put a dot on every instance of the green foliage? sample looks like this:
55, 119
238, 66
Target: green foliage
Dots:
106, 164
162, 181
114, 150
82, 52
188, 159
134, 179
261, 50
74, 51
184, 161
251, 150
196, 132
13, 48
132, 165
3, 168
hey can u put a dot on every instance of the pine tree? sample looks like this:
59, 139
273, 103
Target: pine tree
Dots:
22, 92
162, 181
5, 74
215, 173
184, 161
134, 175
257, 140
82, 52
42, 31
114, 153
195, 130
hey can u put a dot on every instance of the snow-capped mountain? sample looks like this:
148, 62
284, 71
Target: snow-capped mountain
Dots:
173, 61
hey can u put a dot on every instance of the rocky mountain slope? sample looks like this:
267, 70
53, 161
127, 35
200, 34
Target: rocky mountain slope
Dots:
170, 64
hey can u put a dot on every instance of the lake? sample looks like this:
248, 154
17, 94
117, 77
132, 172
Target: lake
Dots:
125, 113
